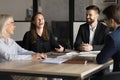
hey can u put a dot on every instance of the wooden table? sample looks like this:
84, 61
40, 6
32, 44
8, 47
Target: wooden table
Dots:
36, 68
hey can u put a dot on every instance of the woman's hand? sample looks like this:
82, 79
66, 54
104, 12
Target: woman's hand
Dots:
61, 49
39, 56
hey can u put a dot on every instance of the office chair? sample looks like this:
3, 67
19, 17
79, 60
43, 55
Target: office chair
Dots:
111, 76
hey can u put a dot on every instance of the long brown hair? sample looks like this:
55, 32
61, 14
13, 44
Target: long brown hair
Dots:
45, 34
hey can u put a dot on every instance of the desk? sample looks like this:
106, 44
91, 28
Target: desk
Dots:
36, 68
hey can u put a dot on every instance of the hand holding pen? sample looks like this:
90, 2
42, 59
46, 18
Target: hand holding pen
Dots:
39, 56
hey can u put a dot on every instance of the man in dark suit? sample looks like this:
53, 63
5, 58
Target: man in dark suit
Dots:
111, 48
91, 35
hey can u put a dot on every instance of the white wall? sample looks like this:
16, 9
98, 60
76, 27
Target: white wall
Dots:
21, 28
76, 26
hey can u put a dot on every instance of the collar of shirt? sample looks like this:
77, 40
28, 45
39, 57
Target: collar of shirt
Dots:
92, 29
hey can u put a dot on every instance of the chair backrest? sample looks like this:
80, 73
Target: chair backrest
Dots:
112, 76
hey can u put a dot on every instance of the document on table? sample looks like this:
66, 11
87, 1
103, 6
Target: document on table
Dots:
59, 53
72, 53
68, 55
89, 54
54, 60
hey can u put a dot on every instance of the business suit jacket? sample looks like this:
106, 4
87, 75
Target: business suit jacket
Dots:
111, 50
84, 33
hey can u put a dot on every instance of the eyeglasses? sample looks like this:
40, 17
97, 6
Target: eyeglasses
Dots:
11, 23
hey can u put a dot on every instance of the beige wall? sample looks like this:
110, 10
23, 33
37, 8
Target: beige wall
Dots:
76, 26
101, 4
17, 8
21, 28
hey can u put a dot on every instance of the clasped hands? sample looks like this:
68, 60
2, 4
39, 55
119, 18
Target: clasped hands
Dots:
39, 56
86, 47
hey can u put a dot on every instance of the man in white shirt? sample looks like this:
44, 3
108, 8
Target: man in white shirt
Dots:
91, 35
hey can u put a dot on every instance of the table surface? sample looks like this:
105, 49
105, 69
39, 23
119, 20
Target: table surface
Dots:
37, 67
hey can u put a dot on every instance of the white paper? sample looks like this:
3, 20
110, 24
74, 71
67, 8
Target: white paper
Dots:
68, 55
72, 53
89, 54
54, 60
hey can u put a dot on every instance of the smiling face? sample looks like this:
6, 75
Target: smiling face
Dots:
10, 26
39, 21
91, 16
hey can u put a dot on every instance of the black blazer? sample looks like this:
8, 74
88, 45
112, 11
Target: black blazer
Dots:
99, 36
111, 49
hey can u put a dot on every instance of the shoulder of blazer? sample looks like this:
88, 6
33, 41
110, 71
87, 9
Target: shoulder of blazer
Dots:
101, 25
116, 32
84, 26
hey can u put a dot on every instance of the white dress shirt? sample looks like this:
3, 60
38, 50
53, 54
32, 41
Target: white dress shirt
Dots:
92, 32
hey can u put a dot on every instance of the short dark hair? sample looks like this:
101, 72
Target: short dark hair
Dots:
93, 7
113, 12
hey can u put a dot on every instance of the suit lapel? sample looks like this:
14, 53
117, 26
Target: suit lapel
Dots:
87, 33
97, 31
